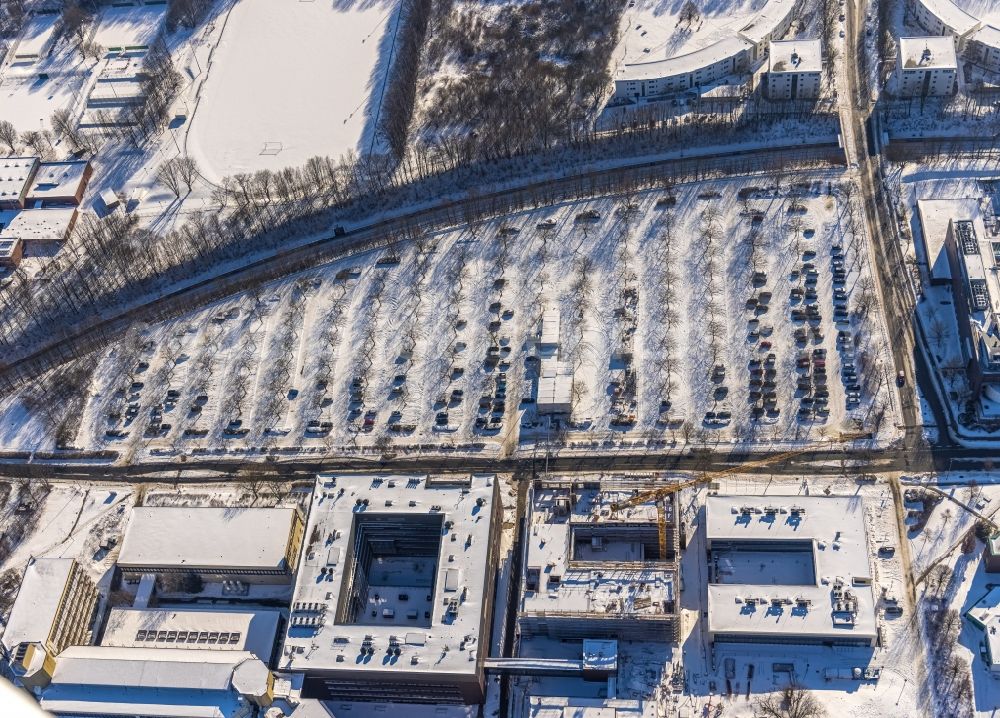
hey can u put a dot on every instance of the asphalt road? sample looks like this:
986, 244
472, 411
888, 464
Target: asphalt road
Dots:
897, 299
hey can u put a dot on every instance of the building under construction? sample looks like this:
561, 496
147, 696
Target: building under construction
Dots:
594, 570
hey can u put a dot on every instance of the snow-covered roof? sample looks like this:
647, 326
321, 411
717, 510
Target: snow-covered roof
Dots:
58, 180
207, 538
927, 53
550, 326
15, 173
579, 589
39, 225
568, 707
978, 259
600, 655
349, 525
796, 56
251, 631
683, 64
951, 15
831, 531
99, 680
988, 35
37, 601
555, 385
762, 26
936, 216
985, 613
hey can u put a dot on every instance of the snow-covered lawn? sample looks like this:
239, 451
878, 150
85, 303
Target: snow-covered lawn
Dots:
292, 80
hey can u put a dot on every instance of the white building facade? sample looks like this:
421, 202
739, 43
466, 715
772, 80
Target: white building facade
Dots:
977, 39
926, 67
795, 69
733, 54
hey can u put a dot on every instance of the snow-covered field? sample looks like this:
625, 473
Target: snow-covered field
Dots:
291, 80
653, 29
31, 93
415, 346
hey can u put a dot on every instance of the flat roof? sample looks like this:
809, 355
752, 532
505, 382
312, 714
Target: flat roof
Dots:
796, 56
927, 53
37, 601
988, 35
980, 263
435, 646
55, 180
687, 63
936, 216
99, 680
251, 631
15, 173
985, 613
555, 384
550, 325
951, 15
39, 225
583, 586
207, 538
762, 25
570, 707
832, 529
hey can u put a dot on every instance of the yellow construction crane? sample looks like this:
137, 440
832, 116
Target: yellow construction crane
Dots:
659, 494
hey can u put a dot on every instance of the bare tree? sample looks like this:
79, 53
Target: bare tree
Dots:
8, 135
62, 122
938, 330
169, 175
74, 19
792, 702
689, 13
187, 170
38, 141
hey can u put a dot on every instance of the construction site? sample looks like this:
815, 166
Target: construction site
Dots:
595, 572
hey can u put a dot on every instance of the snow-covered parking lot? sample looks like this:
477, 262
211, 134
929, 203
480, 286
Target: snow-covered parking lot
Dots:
291, 80
706, 312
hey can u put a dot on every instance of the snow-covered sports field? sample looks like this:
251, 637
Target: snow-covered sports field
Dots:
290, 80
132, 26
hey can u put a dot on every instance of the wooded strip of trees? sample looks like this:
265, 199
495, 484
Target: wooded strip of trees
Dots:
401, 87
